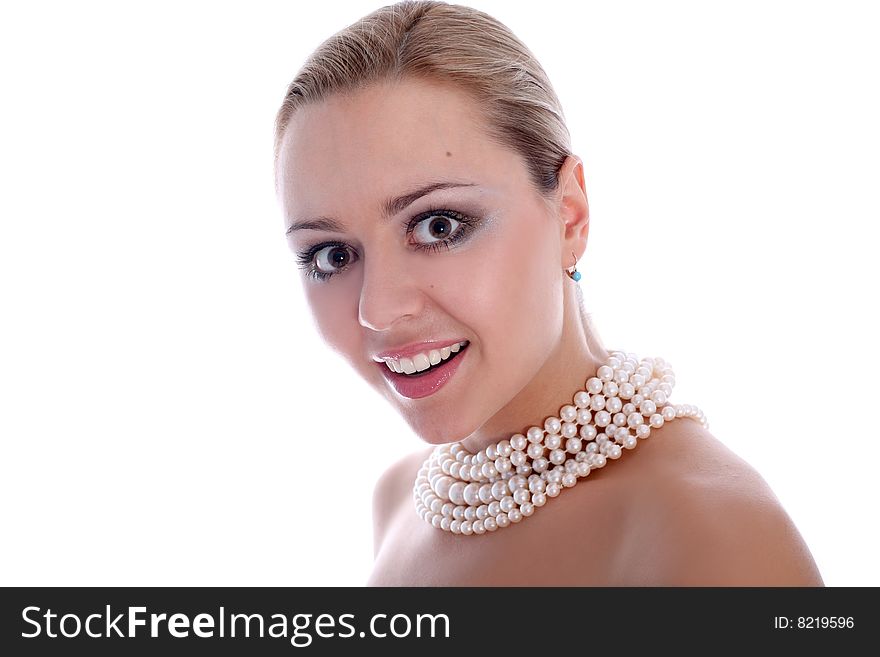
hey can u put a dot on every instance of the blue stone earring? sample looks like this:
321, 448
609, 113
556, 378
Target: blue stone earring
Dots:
574, 275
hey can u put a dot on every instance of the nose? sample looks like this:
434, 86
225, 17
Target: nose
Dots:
389, 291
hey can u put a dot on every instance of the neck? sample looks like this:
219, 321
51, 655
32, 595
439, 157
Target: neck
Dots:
579, 354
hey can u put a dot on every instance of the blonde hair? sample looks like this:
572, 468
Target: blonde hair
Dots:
441, 42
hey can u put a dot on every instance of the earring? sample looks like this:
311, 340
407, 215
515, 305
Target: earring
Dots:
574, 275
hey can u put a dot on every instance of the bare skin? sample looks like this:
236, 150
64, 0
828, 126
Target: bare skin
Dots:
680, 509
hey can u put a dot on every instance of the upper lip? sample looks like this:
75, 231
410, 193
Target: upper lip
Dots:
413, 348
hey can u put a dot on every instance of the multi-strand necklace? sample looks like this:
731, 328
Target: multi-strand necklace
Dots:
466, 493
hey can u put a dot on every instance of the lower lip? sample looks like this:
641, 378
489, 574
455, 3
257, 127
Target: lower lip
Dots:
416, 387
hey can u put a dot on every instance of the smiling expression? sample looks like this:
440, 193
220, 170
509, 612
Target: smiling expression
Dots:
416, 227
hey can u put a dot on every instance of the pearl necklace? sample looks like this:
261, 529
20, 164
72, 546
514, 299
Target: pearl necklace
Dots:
466, 493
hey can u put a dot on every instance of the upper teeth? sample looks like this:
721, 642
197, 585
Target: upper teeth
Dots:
423, 360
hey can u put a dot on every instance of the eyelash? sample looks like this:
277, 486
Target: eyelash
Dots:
306, 258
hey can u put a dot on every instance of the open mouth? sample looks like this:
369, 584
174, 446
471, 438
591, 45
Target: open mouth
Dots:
438, 366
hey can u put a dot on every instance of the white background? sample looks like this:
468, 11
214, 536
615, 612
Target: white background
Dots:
168, 414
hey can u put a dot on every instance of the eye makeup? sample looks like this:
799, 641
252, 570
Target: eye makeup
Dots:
462, 226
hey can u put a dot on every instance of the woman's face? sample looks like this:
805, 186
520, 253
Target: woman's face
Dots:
479, 261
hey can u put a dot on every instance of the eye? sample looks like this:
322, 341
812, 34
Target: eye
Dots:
324, 260
435, 227
433, 230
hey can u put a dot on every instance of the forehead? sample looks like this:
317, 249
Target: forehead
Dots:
371, 143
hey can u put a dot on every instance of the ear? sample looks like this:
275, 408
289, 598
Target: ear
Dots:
573, 209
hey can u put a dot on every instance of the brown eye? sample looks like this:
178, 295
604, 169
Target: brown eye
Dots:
331, 259
435, 228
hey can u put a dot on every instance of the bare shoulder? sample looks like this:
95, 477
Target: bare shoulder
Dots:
393, 488
711, 520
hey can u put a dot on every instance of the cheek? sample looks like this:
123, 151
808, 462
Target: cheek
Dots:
334, 312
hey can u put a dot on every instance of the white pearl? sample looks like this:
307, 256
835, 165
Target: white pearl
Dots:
610, 389
478, 527
482, 511
471, 494
635, 419
489, 471
527, 509
515, 515
494, 508
668, 413
524, 469
535, 451
597, 402
605, 373
470, 513
504, 448
552, 490
619, 419
588, 432
503, 464
573, 445
613, 405
436, 505
507, 504
626, 390
458, 512
557, 456
490, 524
581, 399
539, 499
442, 485
630, 442
614, 451
602, 419
552, 425
456, 492
585, 415
647, 408
445, 523
658, 397
551, 442
583, 469
537, 486
569, 479
535, 434
502, 520
594, 385
486, 493
499, 489
521, 496
518, 458
569, 429
467, 528
643, 431
518, 442
447, 508
491, 453
540, 465
455, 526
657, 420
516, 482
568, 413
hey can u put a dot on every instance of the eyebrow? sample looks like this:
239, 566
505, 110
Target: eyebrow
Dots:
390, 207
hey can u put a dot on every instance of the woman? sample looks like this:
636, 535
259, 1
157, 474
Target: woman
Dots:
433, 201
